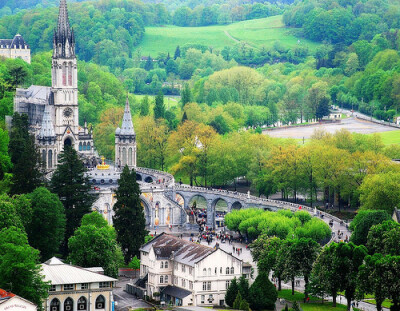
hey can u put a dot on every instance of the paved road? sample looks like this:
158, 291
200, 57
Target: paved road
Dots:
125, 301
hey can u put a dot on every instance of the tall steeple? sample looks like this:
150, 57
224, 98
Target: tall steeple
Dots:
127, 125
64, 39
125, 141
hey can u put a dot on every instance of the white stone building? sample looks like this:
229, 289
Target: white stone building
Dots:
74, 288
15, 48
185, 273
12, 302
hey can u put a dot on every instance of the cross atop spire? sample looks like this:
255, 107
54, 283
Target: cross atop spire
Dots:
127, 125
64, 39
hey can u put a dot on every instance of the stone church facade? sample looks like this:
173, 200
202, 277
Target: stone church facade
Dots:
53, 111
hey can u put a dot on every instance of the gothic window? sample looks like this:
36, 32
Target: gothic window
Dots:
55, 305
232, 270
88, 146
130, 156
44, 157
80, 146
227, 270
84, 146
100, 302
123, 157
70, 73
50, 162
68, 304
55, 157
204, 272
82, 303
64, 74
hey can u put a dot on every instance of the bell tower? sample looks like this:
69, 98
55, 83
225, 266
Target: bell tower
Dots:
64, 84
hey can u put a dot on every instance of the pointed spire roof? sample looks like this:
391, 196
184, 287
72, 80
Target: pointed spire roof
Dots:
127, 125
47, 129
64, 33
63, 26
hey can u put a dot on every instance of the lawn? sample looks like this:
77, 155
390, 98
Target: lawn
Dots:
386, 303
391, 137
326, 306
169, 101
287, 295
255, 33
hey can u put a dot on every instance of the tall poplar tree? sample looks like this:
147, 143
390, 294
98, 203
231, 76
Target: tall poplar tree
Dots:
72, 187
129, 221
24, 156
159, 107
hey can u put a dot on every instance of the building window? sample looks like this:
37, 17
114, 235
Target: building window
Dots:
82, 303
166, 265
100, 302
175, 266
176, 280
220, 270
50, 162
84, 285
204, 272
183, 283
209, 271
162, 264
68, 286
204, 285
227, 270
68, 304
104, 284
161, 279
190, 270
130, 156
80, 146
190, 285
208, 285
53, 288
227, 283
166, 279
215, 271
55, 305
232, 270
183, 268
203, 298
88, 146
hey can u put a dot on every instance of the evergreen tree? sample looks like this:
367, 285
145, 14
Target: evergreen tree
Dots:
322, 108
231, 293
186, 95
149, 64
244, 305
238, 301
296, 306
129, 221
72, 187
177, 52
159, 108
263, 293
24, 157
144, 106
244, 287
184, 117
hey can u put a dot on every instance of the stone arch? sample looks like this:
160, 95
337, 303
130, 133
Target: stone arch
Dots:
148, 179
236, 206
201, 201
55, 305
138, 177
219, 208
146, 209
100, 302
68, 142
82, 303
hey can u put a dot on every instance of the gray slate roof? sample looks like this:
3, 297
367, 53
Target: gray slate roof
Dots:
176, 292
35, 92
185, 252
17, 42
47, 129
127, 125
57, 272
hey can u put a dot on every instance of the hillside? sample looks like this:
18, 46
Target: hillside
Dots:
255, 33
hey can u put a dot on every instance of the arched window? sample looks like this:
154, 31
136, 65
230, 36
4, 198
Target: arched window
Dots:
232, 270
166, 279
70, 73
82, 303
88, 146
55, 305
80, 146
50, 162
64, 74
84, 146
44, 157
123, 156
227, 270
204, 272
209, 271
68, 304
130, 156
161, 279
100, 302
162, 264
166, 264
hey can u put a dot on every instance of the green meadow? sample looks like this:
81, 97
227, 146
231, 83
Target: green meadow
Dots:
255, 33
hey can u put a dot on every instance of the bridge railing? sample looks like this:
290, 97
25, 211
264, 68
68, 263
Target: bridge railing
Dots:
168, 178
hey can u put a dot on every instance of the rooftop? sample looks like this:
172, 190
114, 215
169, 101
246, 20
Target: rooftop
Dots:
57, 272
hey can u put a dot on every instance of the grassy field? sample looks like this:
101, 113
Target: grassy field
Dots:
169, 101
287, 295
255, 33
386, 303
391, 137
326, 306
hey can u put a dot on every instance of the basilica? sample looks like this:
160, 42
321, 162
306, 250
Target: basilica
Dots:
53, 112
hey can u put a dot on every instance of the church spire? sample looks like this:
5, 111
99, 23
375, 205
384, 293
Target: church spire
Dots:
127, 125
64, 39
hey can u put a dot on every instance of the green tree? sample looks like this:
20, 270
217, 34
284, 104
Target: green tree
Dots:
47, 227
72, 187
135, 263
263, 293
24, 157
149, 64
145, 106
159, 107
5, 161
231, 292
129, 221
384, 238
244, 288
19, 266
94, 245
9, 214
238, 301
177, 53
322, 108
363, 222
186, 95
